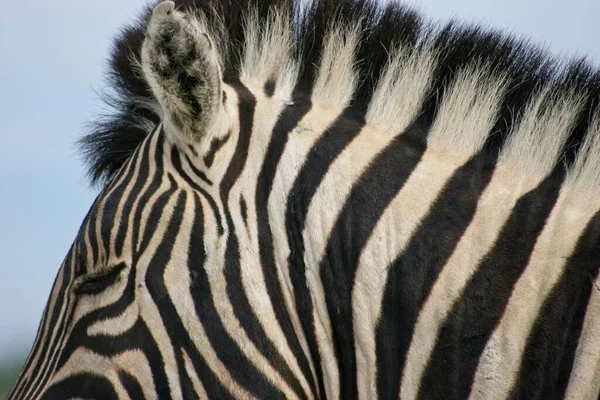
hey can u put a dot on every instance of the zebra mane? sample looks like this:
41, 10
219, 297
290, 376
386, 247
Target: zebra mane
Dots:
367, 51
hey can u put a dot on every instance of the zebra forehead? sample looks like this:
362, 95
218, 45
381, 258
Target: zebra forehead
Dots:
377, 60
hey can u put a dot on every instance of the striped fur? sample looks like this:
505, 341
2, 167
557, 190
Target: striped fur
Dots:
338, 202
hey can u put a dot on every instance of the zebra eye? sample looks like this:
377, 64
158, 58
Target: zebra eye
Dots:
97, 282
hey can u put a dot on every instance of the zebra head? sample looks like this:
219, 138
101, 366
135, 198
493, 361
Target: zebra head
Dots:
129, 308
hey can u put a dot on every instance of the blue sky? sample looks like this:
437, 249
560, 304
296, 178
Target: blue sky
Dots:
52, 61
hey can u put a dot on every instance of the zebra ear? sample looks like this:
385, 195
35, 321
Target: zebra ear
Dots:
181, 66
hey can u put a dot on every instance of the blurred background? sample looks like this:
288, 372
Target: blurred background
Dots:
53, 57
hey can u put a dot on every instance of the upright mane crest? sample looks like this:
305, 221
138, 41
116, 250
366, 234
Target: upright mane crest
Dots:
381, 64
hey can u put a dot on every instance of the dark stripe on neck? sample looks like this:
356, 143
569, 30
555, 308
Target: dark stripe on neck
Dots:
188, 391
92, 223
143, 202
141, 175
323, 153
476, 314
288, 120
550, 351
224, 346
179, 337
116, 195
415, 271
369, 198
247, 108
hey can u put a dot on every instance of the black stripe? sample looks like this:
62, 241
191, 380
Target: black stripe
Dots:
369, 198
215, 146
550, 351
197, 172
323, 153
475, 315
95, 224
250, 323
90, 223
185, 382
176, 161
141, 175
287, 121
247, 107
414, 272
131, 384
226, 349
244, 210
233, 273
91, 234
152, 219
193, 150
144, 198
115, 197
269, 88
178, 335
139, 338
81, 386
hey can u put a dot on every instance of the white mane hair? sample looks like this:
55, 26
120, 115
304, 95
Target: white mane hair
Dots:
381, 64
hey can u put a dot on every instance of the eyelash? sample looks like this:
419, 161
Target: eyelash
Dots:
95, 284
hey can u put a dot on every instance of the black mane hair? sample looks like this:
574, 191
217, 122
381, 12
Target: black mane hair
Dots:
112, 138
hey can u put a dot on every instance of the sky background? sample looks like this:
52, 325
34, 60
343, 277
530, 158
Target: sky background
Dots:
52, 59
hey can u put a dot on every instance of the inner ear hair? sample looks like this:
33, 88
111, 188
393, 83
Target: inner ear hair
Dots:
180, 64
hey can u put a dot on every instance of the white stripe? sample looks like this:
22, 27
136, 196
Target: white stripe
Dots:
191, 372
584, 383
135, 363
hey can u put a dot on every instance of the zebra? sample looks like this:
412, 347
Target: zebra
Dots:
333, 200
